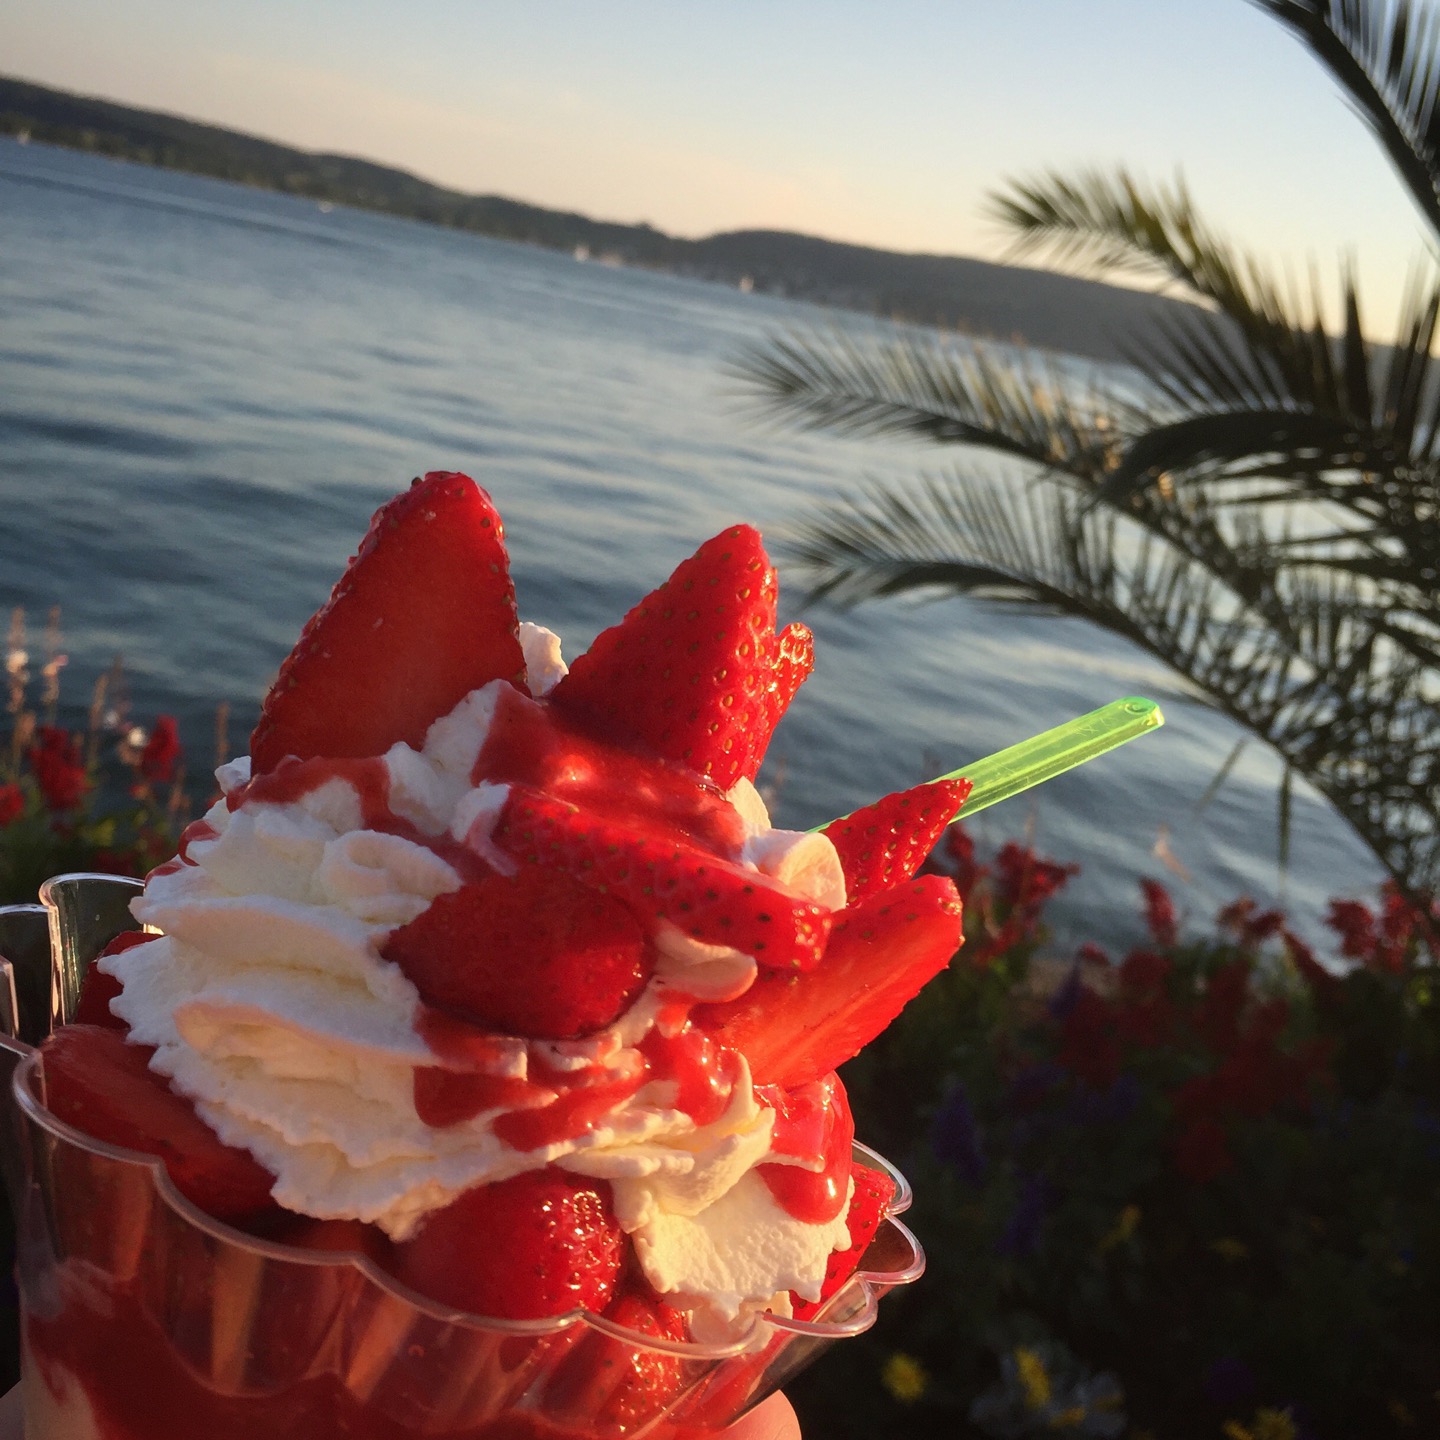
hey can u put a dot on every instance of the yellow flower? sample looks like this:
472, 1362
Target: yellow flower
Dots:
1124, 1227
1230, 1249
1400, 1413
1267, 1425
1068, 1419
904, 1377
1034, 1378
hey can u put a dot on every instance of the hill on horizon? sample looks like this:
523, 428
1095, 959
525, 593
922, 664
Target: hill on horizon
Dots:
1039, 308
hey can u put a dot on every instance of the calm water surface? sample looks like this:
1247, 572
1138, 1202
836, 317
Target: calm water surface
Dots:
205, 391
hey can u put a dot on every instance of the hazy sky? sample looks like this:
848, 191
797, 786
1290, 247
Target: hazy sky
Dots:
883, 123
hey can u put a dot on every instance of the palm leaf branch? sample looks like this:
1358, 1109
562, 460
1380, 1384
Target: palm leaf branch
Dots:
1386, 56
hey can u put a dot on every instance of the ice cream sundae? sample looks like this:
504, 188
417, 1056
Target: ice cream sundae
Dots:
496, 976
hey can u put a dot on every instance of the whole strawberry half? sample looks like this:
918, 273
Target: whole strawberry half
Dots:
660, 878
98, 1082
794, 1028
423, 614
98, 989
689, 673
537, 954
887, 842
538, 1244
615, 1386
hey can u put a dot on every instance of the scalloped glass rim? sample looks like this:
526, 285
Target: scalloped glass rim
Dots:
872, 1284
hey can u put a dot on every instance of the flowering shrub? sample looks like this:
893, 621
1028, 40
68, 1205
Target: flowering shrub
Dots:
1189, 1191
109, 798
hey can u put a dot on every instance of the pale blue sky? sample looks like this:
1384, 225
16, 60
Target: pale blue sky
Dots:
883, 123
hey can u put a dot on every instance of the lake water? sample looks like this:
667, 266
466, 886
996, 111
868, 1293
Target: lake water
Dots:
206, 390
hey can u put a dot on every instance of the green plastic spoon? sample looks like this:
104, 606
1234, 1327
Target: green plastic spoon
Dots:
997, 777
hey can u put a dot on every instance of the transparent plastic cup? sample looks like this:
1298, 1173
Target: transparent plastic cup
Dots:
145, 1319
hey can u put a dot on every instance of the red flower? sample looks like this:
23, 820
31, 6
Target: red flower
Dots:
1354, 923
1201, 1152
1089, 1046
966, 871
1226, 991
12, 802
1403, 928
1145, 1015
1159, 913
58, 768
1249, 925
1388, 943
1143, 972
114, 862
1323, 985
1026, 881
162, 750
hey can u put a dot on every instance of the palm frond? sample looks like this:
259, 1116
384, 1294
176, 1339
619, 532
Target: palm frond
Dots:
1386, 55
1263, 344
1215, 443
1101, 225
1262, 514
1103, 222
1332, 696
917, 388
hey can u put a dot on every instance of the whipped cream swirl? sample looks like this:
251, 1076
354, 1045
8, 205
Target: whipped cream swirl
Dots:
270, 1005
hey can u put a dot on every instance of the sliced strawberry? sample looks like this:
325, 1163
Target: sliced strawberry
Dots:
98, 989
887, 842
529, 742
538, 955
659, 878
684, 674
874, 1190
538, 1244
99, 1083
795, 1028
423, 614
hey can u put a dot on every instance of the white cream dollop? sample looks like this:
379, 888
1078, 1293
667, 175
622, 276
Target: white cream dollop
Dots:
270, 1004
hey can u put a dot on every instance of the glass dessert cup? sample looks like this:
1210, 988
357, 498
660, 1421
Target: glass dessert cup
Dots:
146, 1319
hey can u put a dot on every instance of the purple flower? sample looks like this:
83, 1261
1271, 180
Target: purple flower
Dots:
1427, 1122
1113, 1105
1229, 1383
1062, 1002
1033, 1084
1022, 1232
955, 1136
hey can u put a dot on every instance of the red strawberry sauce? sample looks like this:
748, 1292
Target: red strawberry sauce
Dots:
139, 1388
292, 779
528, 743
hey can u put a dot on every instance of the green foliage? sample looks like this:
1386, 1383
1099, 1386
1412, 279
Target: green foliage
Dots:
1262, 513
109, 799
1194, 1188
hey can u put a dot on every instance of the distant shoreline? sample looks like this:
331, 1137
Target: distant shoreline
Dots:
1029, 307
